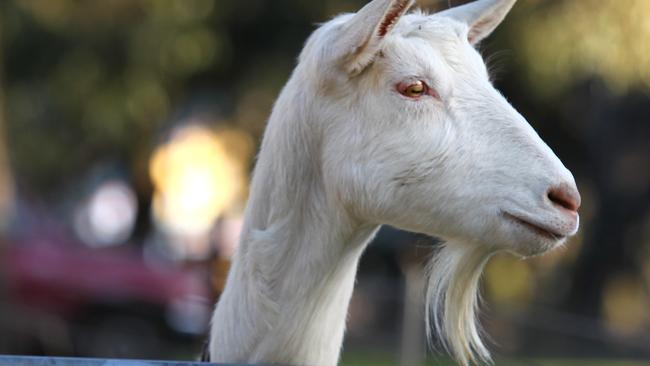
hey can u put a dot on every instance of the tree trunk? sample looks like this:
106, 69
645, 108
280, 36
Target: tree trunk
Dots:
6, 181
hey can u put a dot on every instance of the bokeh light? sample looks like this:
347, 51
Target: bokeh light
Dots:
108, 216
198, 176
193, 179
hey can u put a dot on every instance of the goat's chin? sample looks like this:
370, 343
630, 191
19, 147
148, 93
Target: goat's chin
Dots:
452, 299
525, 240
537, 248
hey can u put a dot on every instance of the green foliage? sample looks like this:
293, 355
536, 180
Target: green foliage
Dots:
94, 79
98, 80
563, 42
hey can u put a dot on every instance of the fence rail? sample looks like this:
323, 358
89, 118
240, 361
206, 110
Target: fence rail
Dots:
66, 361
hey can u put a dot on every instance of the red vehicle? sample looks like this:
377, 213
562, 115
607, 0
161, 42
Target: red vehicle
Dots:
64, 298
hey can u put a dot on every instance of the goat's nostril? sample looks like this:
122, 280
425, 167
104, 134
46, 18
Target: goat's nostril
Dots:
565, 196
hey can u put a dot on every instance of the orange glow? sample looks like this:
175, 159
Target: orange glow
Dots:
196, 180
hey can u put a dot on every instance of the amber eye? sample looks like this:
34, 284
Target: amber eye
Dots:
413, 90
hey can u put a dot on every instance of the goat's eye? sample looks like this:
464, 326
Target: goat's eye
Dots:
413, 90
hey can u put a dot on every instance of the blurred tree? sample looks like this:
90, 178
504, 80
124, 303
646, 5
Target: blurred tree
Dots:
95, 80
6, 180
566, 41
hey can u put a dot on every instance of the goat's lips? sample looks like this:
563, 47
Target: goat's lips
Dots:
536, 228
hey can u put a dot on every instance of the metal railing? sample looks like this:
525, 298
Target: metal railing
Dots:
70, 361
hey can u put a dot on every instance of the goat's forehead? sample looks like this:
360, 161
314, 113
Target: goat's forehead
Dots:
414, 34
433, 27
440, 32
436, 28
426, 38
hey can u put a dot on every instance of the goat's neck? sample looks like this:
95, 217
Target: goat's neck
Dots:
287, 295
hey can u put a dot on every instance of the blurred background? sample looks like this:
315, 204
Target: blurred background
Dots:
127, 135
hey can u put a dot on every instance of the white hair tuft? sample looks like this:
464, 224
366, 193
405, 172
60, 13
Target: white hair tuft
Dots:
452, 300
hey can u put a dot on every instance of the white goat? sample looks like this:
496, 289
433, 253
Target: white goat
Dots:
388, 118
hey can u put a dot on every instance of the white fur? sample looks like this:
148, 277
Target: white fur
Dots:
344, 152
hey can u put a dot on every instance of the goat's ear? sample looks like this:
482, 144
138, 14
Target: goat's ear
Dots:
482, 16
364, 32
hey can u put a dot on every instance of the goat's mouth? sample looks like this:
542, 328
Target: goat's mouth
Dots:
535, 228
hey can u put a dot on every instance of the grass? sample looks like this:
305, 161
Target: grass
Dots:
388, 359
